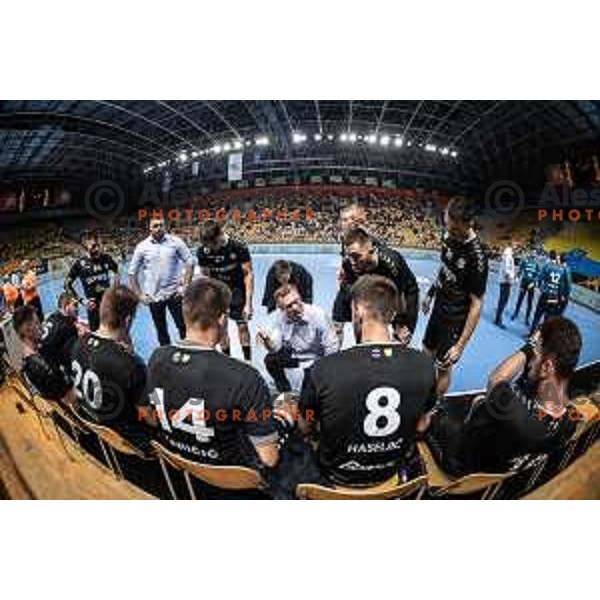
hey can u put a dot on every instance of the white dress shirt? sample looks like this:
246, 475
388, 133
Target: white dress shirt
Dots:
160, 264
507, 267
309, 338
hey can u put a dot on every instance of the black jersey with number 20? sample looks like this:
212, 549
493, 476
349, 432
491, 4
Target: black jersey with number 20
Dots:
367, 400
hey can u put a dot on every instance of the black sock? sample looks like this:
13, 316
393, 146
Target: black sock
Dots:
247, 350
226, 350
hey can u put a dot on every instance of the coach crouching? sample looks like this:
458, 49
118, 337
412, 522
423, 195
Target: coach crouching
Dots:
301, 333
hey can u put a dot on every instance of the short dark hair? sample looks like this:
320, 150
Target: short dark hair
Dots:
209, 231
378, 295
552, 254
462, 209
204, 301
23, 316
118, 304
65, 298
281, 266
357, 234
561, 341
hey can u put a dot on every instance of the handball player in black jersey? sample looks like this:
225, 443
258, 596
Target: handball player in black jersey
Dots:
364, 255
228, 260
526, 411
211, 408
458, 291
351, 216
46, 379
108, 374
96, 271
59, 332
369, 401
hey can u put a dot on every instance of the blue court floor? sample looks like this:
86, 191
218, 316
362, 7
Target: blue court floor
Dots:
487, 348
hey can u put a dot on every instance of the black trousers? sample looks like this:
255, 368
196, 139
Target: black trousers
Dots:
530, 291
546, 307
94, 317
502, 301
159, 316
276, 363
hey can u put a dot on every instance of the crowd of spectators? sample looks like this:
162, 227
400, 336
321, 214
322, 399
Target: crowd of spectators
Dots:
406, 218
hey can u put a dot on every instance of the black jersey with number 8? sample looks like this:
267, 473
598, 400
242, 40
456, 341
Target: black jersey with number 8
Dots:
367, 400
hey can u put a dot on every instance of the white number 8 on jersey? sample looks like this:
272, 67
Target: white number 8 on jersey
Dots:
389, 410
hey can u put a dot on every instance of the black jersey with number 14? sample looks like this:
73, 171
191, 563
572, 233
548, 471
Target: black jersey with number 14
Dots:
367, 400
211, 408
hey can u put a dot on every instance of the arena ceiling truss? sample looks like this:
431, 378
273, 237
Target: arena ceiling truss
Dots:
473, 142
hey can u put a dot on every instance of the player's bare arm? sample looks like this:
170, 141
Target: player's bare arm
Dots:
268, 453
513, 366
249, 286
472, 321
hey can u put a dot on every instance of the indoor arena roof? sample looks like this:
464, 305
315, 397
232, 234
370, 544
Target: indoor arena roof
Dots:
470, 141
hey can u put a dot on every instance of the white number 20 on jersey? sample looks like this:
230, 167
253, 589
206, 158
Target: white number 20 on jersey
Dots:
374, 424
89, 385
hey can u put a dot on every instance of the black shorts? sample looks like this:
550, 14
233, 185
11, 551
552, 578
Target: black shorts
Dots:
238, 301
441, 334
342, 306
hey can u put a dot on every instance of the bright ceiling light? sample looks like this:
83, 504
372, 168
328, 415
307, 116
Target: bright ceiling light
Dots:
398, 142
352, 137
318, 137
371, 139
298, 137
384, 140
237, 144
262, 141
454, 154
344, 137
430, 147
216, 149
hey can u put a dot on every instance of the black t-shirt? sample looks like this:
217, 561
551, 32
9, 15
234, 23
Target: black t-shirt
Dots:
463, 273
507, 430
299, 277
367, 400
110, 378
47, 379
226, 263
94, 274
211, 407
58, 336
391, 264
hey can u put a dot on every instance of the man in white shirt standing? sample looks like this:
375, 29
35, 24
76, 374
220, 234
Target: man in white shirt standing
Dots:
301, 333
507, 277
162, 265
